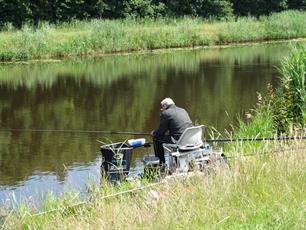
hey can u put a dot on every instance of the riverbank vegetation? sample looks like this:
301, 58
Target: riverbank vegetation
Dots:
264, 187
266, 190
100, 36
289, 107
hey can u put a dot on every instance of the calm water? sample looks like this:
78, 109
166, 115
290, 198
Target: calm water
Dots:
120, 93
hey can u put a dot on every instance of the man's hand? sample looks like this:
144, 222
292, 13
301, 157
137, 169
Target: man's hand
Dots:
152, 133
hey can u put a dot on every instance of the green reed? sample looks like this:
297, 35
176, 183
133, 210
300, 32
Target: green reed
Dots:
283, 110
289, 99
95, 37
288, 24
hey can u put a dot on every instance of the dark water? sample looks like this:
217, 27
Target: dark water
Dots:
119, 93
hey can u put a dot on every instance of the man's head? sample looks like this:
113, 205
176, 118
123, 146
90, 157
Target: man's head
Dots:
164, 104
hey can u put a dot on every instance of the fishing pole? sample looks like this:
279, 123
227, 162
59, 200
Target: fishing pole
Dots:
257, 139
148, 134
147, 144
77, 131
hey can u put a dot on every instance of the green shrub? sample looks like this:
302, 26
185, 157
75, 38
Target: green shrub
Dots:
258, 7
217, 9
297, 4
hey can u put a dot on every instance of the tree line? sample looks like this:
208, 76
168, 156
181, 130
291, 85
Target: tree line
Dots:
18, 12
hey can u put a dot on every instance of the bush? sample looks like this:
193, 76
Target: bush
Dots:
297, 4
219, 9
258, 7
142, 9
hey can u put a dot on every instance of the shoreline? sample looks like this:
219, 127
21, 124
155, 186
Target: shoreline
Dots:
152, 51
124, 37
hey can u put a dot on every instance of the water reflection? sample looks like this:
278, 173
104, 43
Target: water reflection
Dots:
120, 93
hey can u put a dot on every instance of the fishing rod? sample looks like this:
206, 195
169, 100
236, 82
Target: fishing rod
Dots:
257, 139
148, 134
77, 131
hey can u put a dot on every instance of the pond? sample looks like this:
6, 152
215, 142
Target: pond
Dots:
114, 93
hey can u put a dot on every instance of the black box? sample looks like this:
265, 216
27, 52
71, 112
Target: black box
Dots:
116, 158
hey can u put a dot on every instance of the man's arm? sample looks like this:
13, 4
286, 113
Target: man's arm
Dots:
163, 126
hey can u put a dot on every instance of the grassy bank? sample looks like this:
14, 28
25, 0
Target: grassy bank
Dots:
264, 191
96, 37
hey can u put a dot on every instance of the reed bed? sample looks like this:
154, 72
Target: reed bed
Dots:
264, 191
290, 99
98, 37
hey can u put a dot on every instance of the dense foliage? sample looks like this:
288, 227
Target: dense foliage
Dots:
259, 7
17, 12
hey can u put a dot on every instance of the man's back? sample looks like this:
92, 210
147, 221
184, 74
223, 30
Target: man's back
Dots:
174, 119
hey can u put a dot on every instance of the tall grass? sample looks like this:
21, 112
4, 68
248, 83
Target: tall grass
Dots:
283, 111
243, 30
97, 37
290, 99
284, 25
256, 123
259, 192
259, 121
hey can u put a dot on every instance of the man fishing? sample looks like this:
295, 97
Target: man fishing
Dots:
173, 122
